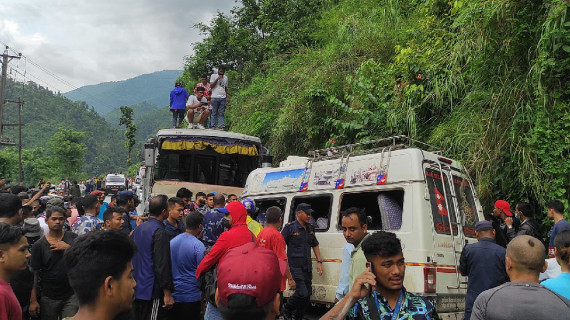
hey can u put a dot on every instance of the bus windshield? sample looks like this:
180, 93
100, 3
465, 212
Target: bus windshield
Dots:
206, 164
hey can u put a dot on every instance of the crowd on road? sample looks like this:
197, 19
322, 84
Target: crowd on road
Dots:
206, 107
213, 257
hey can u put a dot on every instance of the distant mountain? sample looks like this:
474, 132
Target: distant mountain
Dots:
152, 88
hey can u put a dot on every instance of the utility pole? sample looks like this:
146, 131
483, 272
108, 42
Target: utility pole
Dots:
5, 59
20, 103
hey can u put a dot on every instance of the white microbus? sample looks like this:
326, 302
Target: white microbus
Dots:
423, 197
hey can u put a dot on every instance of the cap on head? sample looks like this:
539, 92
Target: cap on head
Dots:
504, 206
304, 207
250, 270
32, 228
483, 225
55, 202
249, 205
97, 193
125, 195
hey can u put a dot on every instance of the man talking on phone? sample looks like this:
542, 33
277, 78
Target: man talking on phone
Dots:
379, 293
197, 106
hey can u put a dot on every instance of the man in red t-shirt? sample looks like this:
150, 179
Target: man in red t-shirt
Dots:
272, 239
206, 85
14, 256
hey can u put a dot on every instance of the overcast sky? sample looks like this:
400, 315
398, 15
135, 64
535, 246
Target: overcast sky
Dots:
92, 41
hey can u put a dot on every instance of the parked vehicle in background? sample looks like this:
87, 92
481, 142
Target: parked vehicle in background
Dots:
405, 186
114, 183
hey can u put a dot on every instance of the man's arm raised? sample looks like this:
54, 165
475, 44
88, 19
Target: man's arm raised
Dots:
359, 290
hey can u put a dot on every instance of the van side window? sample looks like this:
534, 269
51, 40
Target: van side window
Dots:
321, 204
383, 208
467, 208
442, 209
261, 206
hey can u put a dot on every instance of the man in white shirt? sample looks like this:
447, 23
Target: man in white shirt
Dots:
197, 106
219, 84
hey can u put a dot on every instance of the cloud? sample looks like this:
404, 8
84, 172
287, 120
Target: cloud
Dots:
87, 42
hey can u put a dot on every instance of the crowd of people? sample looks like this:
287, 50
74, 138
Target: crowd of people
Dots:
206, 108
211, 257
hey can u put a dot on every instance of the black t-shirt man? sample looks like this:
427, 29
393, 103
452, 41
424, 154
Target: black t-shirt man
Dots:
53, 274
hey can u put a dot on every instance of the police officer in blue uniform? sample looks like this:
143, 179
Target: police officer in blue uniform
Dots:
300, 238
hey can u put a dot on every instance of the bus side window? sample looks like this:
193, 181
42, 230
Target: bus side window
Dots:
321, 204
383, 208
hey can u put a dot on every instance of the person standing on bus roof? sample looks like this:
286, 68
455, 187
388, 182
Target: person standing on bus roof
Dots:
385, 271
300, 238
178, 97
483, 262
220, 98
355, 230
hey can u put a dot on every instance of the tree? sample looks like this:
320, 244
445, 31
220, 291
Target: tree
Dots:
68, 151
127, 120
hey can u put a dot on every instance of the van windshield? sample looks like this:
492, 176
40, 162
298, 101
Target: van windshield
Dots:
115, 179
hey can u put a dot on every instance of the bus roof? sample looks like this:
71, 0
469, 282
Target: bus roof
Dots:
206, 133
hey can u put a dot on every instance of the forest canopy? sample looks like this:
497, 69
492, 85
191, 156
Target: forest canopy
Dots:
485, 80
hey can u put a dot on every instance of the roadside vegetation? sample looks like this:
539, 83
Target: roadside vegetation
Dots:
485, 80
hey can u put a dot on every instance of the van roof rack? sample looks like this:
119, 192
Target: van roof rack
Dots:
372, 146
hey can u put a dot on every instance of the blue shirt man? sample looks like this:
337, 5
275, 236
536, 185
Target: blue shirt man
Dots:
484, 263
186, 253
344, 281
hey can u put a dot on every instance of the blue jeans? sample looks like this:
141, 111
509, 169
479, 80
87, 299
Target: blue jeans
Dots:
218, 112
177, 116
212, 313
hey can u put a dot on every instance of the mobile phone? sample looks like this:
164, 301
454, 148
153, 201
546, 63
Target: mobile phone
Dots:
369, 268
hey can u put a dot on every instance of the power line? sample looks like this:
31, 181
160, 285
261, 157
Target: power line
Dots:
63, 81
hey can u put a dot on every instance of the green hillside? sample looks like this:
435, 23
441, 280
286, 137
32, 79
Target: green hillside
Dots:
43, 114
146, 117
485, 80
152, 88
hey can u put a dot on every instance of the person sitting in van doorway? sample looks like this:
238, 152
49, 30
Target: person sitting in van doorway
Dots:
355, 230
385, 273
300, 237
484, 263
502, 218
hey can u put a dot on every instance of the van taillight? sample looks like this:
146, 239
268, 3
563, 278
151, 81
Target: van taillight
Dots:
429, 279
